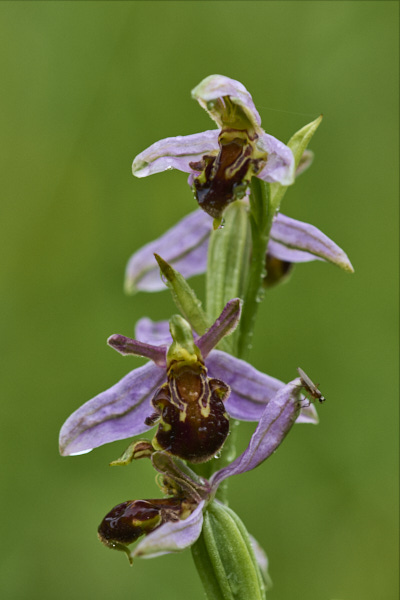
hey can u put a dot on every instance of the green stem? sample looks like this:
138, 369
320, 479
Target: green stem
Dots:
228, 263
233, 272
261, 217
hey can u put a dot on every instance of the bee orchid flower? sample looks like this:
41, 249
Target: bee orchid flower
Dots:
190, 389
221, 162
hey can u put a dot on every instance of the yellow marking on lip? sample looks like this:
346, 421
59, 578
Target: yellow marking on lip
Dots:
155, 444
205, 410
183, 414
165, 426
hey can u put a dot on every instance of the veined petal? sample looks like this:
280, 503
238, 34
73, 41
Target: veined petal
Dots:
223, 326
251, 390
115, 414
184, 247
127, 346
216, 87
154, 332
172, 536
175, 153
274, 425
295, 241
280, 165
289, 255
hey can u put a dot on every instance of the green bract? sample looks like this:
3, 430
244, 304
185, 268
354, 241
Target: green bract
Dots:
225, 558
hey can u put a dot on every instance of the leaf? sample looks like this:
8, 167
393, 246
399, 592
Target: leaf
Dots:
298, 144
184, 297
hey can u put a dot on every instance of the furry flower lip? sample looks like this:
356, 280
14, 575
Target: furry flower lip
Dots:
189, 407
126, 409
222, 162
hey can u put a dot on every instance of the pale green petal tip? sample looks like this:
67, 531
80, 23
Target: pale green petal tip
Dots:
346, 265
198, 91
236, 110
129, 287
138, 167
342, 261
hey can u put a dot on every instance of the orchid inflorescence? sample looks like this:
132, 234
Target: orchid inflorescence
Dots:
197, 385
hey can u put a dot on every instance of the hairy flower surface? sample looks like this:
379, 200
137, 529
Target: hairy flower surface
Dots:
222, 162
185, 247
126, 409
175, 523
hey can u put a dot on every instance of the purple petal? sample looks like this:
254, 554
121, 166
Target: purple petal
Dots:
115, 414
251, 390
127, 346
288, 254
175, 153
223, 326
280, 164
218, 86
172, 536
184, 247
295, 241
274, 425
154, 332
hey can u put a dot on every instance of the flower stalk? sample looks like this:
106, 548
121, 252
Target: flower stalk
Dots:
228, 264
261, 216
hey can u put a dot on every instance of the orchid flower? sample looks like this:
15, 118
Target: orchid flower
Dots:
185, 246
221, 162
175, 523
189, 387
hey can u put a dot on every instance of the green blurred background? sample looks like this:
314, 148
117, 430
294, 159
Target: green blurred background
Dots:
85, 87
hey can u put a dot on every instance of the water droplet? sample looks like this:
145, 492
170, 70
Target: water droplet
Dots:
218, 455
80, 452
